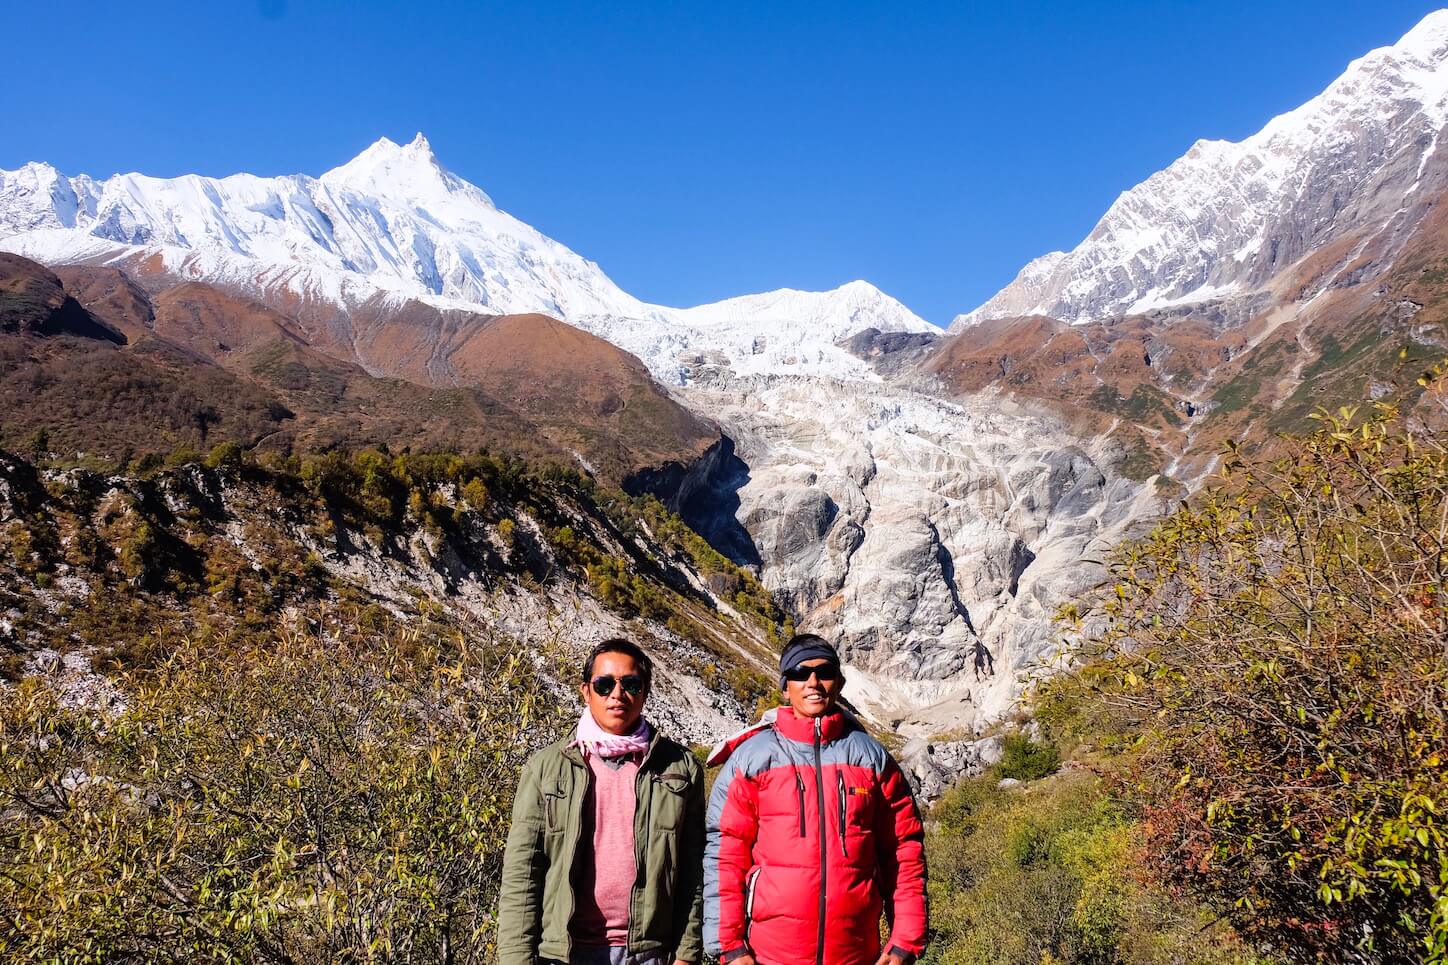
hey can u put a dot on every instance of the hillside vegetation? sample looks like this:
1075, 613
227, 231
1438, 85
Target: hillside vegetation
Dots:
339, 792
272, 709
1258, 732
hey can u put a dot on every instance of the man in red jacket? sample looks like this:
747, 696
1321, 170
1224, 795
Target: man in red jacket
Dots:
813, 832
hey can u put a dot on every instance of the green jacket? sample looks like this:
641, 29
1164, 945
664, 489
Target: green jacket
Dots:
536, 899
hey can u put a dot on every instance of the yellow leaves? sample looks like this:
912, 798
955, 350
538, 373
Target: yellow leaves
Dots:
267, 788
1285, 630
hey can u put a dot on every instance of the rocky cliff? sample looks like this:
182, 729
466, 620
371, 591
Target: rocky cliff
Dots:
933, 540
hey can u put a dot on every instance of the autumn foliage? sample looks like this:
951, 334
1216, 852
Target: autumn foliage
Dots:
1272, 662
339, 794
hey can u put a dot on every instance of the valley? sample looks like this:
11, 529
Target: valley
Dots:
929, 498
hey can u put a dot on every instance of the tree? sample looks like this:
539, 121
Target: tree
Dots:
1280, 651
40, 444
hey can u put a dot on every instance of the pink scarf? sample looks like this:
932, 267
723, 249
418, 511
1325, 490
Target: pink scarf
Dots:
593, 739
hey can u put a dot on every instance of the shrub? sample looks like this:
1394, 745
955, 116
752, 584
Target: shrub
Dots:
1025, 760
226, 455
326, 796
1280, 650
1052, 876
476, 495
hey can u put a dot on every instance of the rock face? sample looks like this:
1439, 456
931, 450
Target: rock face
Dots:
1345, 177
934, 765
923, 536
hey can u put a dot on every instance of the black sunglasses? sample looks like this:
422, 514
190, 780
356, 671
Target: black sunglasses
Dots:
825, 671
603, 684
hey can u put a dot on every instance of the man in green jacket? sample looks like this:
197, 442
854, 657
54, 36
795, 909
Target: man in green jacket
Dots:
604, 862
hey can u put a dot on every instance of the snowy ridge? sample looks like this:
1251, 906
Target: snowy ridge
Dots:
392, 216
393, 221
779, 332
1226, 217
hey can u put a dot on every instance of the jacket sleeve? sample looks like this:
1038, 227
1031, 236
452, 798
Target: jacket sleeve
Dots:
525, 865
733, 820
901, 848
689, 945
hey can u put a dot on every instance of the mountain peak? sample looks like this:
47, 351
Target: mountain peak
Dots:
1428, 37
385, 149
388, 169
1226, 218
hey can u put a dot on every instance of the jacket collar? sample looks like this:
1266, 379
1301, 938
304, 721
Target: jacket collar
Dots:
833, 725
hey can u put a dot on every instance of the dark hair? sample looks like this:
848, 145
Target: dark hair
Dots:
628, 649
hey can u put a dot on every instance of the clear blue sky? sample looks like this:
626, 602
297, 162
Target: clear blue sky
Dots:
698, 151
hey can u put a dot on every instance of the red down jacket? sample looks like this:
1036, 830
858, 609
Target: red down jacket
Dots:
813, 832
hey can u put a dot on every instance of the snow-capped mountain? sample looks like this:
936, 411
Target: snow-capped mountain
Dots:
394, 221
389, 219
1357, 164
779, 332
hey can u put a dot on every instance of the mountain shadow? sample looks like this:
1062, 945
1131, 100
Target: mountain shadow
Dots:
706, 496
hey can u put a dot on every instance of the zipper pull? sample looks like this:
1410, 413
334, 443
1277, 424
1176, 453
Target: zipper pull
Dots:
840, 798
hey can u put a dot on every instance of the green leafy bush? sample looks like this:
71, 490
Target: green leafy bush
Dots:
334, 794
1278, 654
1025, 760
1052, 876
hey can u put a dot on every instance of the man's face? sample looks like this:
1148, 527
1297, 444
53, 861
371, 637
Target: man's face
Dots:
815, 695
616, 710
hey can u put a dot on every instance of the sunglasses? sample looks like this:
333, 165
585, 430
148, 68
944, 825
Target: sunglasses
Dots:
604, 684
823, 672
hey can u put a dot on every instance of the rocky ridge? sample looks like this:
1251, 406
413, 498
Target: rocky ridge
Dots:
1346, 176
98, 570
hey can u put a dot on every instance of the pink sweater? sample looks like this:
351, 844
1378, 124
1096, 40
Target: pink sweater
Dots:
603, 876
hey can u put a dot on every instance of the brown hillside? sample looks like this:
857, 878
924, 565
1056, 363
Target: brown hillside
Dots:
217, 325
583, 393
111, 296
99, 402
586, 393
204, 365
33, 301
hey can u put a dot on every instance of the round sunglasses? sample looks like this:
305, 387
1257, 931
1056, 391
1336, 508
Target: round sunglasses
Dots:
604, 684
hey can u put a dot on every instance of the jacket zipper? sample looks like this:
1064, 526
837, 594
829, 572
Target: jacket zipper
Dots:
841, 797
749, 903
824, 861
633, 916
799, 791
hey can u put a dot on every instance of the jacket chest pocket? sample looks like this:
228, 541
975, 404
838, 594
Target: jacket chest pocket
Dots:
858, 803
670, 792
555, 809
